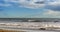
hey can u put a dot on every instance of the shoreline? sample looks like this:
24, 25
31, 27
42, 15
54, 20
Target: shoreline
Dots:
3, 30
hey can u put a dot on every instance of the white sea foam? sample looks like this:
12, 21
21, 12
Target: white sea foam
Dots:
33, 25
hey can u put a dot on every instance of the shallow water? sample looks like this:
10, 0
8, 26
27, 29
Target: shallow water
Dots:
29, 23
42, 31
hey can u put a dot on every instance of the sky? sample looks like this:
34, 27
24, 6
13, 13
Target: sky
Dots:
29, 8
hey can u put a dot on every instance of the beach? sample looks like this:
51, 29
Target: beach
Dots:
3, 30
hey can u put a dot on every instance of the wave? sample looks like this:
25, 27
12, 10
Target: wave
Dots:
30, 25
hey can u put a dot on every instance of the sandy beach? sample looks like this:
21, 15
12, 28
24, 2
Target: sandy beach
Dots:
3, 30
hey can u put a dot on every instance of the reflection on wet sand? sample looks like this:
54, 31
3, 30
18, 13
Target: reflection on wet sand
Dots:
2, 30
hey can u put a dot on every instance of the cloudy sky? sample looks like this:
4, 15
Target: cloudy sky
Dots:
29, 8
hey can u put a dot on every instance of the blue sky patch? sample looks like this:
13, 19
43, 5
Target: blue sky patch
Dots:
29, 8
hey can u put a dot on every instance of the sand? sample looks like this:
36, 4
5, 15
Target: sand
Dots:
2, 30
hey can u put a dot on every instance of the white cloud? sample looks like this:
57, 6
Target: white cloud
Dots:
34, 3
46, 14
31, 4
54, 3
52, 13
28, 4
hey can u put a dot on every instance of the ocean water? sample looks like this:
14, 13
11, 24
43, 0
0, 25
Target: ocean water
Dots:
41, 31
15, 26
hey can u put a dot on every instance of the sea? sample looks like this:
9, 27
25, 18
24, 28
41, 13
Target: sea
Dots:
13, 24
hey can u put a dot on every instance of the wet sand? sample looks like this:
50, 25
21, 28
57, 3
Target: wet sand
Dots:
2, 30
